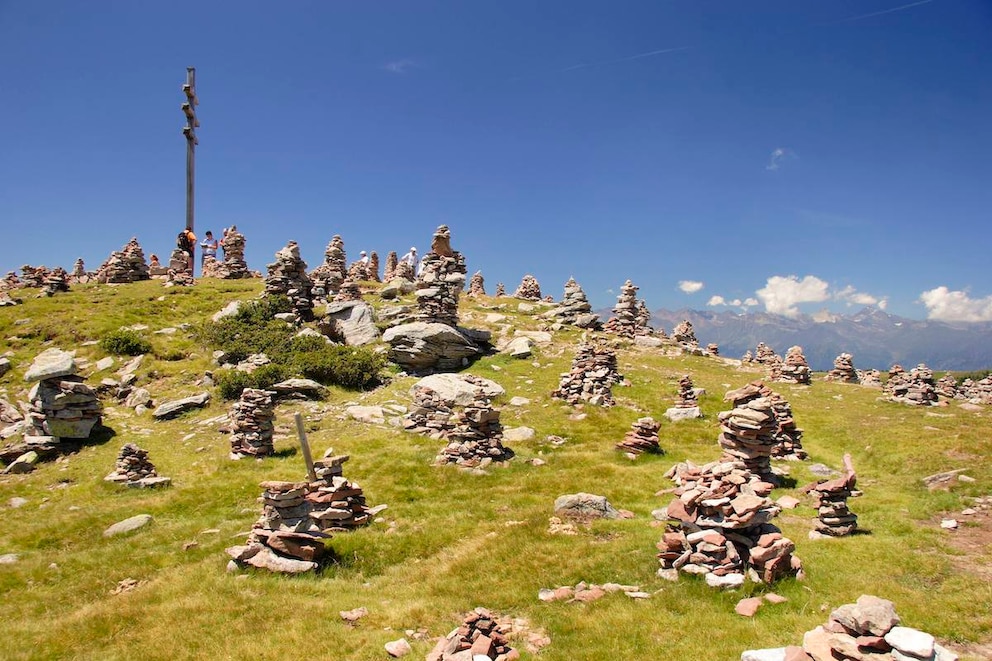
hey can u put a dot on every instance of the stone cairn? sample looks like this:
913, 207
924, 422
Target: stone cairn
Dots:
575, 308
977, 392
625, 320
349, 291
390, 271
126, 265
867, 629
788, 435
722, 527
11, 281
79, 274
748, 430
947, 387
298, 519
830, 498
179, 277
642, 437
529, 289
252, 418
135, 470
794, 369
764, 354
404, 271
870, 378
358, 271
686, 397
61, 405
643, 315
56, 281
34, 276
713, 349
442, 278
477, 285
476, 438
843, 370
481, 636
372, 272
917, 387
430, 414
684, 334
328, 277
591, 378
234, 266
288, 277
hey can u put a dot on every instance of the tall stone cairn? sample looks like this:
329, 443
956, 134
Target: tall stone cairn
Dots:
642, 437
574, 308
684, 333
748, 430
442, 278
476, 438
843, 370
390, 271
61, 405
500, 290
591, 378
252, 423
288, 277
56, 281
624, 321
327, 277
721, 527
126, 265
372, 272
830, 498
643, 315
34, 276
794, 369
234, 266
529, 289
870, 378
764, 354
477, 285
788, 435
686, 397
480, 636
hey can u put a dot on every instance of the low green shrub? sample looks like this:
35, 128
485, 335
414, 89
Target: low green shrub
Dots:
332, 364
230, 383
125, 342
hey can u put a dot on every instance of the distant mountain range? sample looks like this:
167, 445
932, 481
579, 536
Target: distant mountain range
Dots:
875, 338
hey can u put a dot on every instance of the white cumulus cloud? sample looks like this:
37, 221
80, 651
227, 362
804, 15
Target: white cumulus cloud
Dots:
690, 286
716, 300
945, 304
781, 294
750, 302
854, 297
734, 302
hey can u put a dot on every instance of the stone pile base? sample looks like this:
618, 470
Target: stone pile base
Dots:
643, 437
135, 470
479, 637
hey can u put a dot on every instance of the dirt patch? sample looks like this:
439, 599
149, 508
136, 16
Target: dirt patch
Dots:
972, 538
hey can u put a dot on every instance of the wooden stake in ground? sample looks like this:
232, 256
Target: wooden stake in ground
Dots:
305, 445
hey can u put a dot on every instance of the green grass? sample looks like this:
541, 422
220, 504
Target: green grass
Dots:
449, 541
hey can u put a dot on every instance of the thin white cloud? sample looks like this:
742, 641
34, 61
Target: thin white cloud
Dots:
690, 286
400, 66
779, 156
780, 295
854, 297
944, 304
750, 302
733, 303
880, 13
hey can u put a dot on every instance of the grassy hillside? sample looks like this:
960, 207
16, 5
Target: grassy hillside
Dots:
449, 540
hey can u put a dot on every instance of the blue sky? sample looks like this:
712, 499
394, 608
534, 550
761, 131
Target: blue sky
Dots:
800, 155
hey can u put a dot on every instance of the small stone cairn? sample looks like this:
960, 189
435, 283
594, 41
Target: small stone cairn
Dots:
349, 291
372, 272
61, 405
475, 441
947, 387
788, 435
126, 265
442, 278
430, 414
179, 277
574, 308
977, 392
722, 527
288, 277
917, 387
830, 498
642, 437
252, 423
135, 470
748, 430
481, 636
764, 354
11, 281
404, 271
234, 266
477, 285
328, 277
625, 320
867, 629
591, 378
500, 290
358, 271
870, 378
683, 333
794, 369
34, 276
390, 271
56, 281
79, 274
686, 402
529, 289
843, 370
713, 349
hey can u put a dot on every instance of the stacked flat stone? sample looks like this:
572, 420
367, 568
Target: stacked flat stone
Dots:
624, 321
870, 378
372, 272
56, 281
794, 369
830, 498
643, 315
234, 266
788, 435
642, 437
916, 387
133, 468
252, 423
529, 289
476, 438
404, 271
591, 378
390, 271
684, 333
477, 285
178, 260
349, 291
179, 278
126, 265
479, 637
442, 278
358, 271
574, 308
686, 397
713, 349
7, 300
747, 358
288, 277
327, 277
430, 414
79, 274
11, 281
210, 267
978, 392
61, 405
748, 430
947, 387
843, 370
764, 354
34, 276
722, 527
500, 290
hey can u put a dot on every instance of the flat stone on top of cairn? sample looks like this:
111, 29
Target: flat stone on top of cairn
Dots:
642, 437
794, 369
591, 377
683, 333
134, 469
686, 403
252, 424
574, 308
830, 498
529, 289
477, 285
480, 636
442, 278
287, 276
843, 370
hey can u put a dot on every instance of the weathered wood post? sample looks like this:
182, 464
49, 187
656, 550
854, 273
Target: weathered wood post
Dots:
192, 123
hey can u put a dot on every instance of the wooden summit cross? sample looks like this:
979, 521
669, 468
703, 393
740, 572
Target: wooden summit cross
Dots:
192, 123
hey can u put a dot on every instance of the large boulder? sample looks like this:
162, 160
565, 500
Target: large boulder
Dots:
51, 363
424, 345
350, 322
585, 506
179, 406
457, 389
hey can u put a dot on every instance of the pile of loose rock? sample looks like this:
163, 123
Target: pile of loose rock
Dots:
500, 290
626, 321
830, 498
33, 277
870, 378
327, 277
288, 277
722, 527
475, 440
56, 281
234, 266
977, 392
477, 285
683, 333
591, 378
61, 405
126, 265
574, 308
843, 370
349, 291
917, 387
947, 387
748, 431
252, 423
134, 469
442, 278
529, 289
764, 354
642, 437
481, 636
430, 414
794, 369
867, 629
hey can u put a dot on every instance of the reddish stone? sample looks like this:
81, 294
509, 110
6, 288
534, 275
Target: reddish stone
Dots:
748, 607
